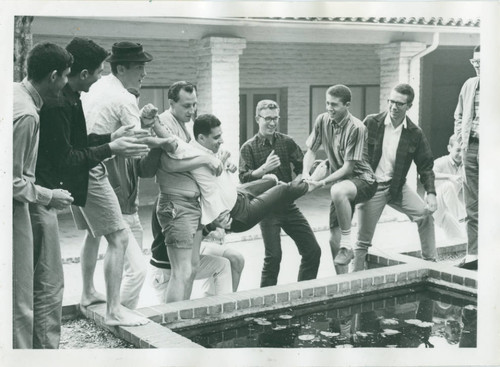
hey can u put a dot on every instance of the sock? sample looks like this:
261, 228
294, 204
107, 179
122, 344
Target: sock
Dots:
345, 238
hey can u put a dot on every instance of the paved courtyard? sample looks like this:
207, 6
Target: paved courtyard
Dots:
394, 233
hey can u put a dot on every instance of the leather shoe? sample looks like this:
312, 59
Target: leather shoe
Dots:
344, 256
470, 265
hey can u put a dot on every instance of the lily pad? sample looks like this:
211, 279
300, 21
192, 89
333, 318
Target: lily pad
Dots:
390, 332
328, 334
285, 317
306, 337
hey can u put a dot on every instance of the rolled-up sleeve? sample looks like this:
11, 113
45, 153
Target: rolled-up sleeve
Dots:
25, 145
314, 140
247, 164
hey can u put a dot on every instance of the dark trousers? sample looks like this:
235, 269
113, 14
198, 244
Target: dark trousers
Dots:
296, 226
257, 199
48, 278
471, 165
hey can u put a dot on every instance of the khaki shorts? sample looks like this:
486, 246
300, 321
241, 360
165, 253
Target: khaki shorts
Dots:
102, 214
179, 218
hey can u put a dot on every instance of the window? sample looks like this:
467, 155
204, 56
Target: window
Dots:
364, 101
158, 96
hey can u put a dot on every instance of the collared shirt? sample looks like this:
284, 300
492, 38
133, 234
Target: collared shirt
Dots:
109, 105
255, 151
385, 168
343, 141
218, 194
181, 182
475, 122
66, 153
446, 164
27, 105
464, 113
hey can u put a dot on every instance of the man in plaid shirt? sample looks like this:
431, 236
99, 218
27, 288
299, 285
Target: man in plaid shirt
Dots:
393, 143
271, 152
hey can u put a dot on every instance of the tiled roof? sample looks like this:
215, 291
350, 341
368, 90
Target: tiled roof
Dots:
449, 22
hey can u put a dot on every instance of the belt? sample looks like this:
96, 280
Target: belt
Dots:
384, 184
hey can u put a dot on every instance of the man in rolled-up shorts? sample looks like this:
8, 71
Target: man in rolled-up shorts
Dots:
109, 107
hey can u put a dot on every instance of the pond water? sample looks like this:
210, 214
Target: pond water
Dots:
425, 319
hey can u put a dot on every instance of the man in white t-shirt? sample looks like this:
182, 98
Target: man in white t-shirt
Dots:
450, 176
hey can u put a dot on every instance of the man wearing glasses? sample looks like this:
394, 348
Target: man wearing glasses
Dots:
271, 152
394, 142
467, 132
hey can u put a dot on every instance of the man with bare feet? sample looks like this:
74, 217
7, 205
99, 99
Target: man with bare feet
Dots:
111, 109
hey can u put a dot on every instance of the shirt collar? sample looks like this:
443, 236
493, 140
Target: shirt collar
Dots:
201, 147
388, 121
37, 99
343, 122
262, 139
453, 162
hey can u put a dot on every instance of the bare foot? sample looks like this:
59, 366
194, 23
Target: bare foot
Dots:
92, 298
125, 317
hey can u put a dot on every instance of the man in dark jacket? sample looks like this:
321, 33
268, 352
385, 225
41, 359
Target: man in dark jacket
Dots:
65, 156
393, 143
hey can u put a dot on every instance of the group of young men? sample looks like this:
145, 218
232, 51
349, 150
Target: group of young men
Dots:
87, 151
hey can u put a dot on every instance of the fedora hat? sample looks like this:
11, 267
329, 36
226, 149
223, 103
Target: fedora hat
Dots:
129, 52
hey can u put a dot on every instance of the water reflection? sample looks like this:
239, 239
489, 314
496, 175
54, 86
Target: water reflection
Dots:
404, 322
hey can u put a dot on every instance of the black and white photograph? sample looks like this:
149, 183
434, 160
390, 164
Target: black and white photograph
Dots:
250, 183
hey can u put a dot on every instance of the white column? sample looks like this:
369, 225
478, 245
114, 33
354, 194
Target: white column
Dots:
218, 85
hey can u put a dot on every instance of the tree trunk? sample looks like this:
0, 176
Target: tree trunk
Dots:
23, 41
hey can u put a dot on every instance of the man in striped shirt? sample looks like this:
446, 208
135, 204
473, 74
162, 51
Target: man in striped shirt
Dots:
343, 137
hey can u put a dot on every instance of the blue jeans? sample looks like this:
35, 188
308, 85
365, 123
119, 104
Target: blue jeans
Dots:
296, 226
471, 165
48, 278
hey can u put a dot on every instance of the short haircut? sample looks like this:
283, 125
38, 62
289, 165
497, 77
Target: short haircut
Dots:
407, 90
87, 55
175, 89
340, 91
204, 124
126, 64
452, 140
46, 57
266, 104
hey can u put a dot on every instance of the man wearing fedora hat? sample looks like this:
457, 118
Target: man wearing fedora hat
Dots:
109, 106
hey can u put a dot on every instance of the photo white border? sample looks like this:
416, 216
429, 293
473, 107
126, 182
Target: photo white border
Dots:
489, 274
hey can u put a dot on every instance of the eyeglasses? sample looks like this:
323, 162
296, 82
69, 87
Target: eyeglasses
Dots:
396, 103
270, 119
475, 62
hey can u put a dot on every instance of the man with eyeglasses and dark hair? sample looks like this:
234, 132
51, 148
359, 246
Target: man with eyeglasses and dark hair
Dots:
271, 152
467, 133
394, 142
